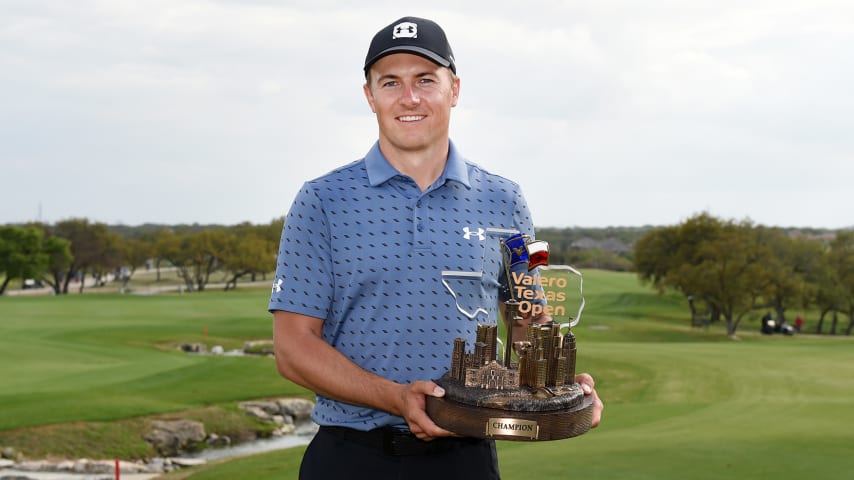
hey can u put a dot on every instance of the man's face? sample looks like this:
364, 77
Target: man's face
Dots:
412, 98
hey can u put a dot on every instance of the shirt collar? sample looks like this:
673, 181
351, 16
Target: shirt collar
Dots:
380, 171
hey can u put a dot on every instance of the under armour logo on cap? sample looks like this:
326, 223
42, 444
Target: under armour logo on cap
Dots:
405, 30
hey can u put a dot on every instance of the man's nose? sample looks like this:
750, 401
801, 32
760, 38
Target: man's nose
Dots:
410, 96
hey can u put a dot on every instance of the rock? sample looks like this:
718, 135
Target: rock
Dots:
194, 347
132, 467
285, 429
217, 350
170, 438
216, 441
298, 408
10, 453
282, 419
156, 464
35, 466
80, 465
258, 347
85, 465
258, 412
243, 436
269, 407
188, 462
6, 463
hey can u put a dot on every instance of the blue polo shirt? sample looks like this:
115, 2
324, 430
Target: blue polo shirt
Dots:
395, 273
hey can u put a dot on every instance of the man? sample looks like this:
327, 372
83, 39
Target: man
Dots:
360, 314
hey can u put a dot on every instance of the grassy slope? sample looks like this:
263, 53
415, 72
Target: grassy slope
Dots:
91, 357
681, 402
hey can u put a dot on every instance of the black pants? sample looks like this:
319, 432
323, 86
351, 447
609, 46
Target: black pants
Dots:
342, 454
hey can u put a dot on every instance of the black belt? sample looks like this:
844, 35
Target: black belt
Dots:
397, 442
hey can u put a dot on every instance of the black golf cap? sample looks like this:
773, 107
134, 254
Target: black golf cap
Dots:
412, 35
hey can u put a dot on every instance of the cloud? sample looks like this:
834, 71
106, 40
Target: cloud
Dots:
217, 111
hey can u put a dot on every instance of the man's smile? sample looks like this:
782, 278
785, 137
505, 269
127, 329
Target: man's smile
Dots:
411, 118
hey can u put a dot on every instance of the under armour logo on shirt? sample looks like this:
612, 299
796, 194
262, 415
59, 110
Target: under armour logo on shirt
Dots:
468, 233
277, 287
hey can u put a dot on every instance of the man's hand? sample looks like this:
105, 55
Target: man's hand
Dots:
587, 385
413, 405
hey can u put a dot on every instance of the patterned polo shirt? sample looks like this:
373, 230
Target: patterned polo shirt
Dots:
395, 273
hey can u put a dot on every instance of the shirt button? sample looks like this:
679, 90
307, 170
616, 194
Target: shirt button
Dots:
420, 227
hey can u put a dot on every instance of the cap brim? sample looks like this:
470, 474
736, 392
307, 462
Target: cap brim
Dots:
409, 49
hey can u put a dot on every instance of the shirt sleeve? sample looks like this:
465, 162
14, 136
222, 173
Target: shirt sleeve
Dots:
304, 280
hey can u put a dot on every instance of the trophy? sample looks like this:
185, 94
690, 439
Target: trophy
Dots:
530, 393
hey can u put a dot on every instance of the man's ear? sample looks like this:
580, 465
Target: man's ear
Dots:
370, 97
455, 91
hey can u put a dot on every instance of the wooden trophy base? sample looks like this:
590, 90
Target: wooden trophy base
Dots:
504, 424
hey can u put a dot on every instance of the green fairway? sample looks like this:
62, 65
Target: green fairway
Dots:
681, 402
714, 410
105, 357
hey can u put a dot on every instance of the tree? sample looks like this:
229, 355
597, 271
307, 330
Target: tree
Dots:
654, 257
133, 252
715, 264
109, 258
842, 259
834, 292
729, 273
58, 251
195, 255
272, 232
22, 253
93, 250
248, 253
789, 269
668, 257
161, 241
172, 248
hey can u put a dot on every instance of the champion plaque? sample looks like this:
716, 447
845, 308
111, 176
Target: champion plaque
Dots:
529, 393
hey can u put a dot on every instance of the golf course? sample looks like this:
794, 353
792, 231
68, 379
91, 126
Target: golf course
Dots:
78, 373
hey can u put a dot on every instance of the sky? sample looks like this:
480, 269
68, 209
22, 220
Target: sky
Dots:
607, 113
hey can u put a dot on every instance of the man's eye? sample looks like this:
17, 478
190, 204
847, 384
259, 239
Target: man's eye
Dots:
390, 84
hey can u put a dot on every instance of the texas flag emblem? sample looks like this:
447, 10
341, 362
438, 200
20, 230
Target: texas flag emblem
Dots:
538, 254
